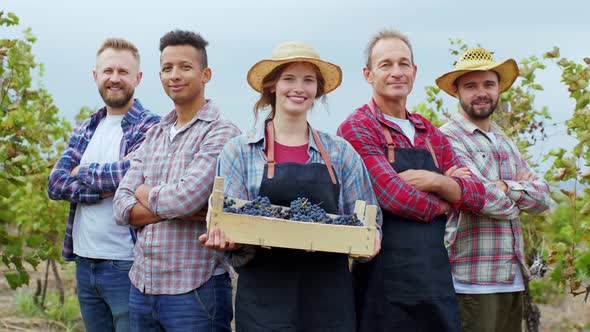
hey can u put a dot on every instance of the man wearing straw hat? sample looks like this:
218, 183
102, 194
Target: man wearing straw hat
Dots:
486, 249
408, 286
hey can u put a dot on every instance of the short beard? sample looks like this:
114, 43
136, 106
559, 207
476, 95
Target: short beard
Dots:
116, 102
482, 114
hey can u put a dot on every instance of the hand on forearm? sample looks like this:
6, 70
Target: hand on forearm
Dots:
524, 176
142, 194
443, 186
141, 216
444, 208
460, 172
502, 186
420, 179
447, 189
74, 172
106, 194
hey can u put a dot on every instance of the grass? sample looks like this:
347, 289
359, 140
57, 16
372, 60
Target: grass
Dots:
59, 317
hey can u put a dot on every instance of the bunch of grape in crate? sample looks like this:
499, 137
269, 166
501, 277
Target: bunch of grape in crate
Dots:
302, 225
299, 210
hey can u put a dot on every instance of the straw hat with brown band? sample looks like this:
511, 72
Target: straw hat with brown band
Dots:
479, 59
294, 52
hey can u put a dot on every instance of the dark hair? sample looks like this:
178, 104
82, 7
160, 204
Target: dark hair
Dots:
119, 44
268, 98
386, 34
183, 37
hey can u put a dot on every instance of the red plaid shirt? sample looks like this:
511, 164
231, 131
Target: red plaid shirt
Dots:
363, 130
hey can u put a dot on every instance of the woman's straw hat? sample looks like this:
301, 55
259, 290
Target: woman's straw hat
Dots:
479, 59
294, 52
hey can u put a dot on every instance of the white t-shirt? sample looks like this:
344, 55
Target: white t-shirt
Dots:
406, 126
95, 233
174, 131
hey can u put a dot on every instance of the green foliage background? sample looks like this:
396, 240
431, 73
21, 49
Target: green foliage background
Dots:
31, 138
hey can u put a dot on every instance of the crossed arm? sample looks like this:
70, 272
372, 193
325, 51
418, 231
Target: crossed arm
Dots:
67, 182
505, 199
413, 194
185, 198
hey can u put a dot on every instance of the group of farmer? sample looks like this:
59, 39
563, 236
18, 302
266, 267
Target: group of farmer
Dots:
449, 251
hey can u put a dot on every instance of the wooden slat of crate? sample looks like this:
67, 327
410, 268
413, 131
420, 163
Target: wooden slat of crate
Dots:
270, 232
296, 235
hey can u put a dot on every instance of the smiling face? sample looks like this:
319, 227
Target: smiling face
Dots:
478, 93
117, 75
296, 88
392, 72
181, 74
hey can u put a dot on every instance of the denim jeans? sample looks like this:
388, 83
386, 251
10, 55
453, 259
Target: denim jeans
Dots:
207, 308
103, 292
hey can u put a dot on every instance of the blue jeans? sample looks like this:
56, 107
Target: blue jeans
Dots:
103, 292
207, 308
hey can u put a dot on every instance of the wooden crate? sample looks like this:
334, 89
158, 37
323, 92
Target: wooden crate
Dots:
272, 232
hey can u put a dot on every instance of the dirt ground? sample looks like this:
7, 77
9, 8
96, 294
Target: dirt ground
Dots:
567, 314
11, 319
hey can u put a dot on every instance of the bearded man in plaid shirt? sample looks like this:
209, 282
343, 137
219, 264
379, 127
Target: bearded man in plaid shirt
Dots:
486, 249
87, 174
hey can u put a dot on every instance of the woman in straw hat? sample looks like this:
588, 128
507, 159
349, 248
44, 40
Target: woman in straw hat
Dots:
284, 289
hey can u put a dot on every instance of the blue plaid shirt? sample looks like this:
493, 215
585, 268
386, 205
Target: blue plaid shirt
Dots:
94, 178
242, 162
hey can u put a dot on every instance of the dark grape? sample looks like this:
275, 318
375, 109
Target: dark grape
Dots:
260, 206
228, 202
303, 210
300, 210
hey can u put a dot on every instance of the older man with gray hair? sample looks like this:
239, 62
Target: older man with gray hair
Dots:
408, 286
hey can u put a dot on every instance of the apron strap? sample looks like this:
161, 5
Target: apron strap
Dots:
391, 145
270, 158
270, 148
429, 146
324, 154
387, 134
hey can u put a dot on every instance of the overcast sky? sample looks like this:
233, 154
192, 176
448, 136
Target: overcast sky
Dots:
240, 33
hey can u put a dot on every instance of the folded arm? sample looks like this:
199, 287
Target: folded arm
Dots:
63, 186
497, 204
393, 193
530, 193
